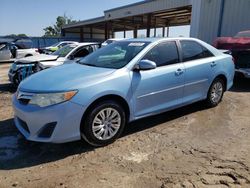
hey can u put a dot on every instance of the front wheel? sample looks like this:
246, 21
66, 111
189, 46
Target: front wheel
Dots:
215, 92
104, 123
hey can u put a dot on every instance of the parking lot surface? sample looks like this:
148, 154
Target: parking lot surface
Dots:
188, 147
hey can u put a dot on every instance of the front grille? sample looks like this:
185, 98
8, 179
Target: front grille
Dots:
23, 125
47, 130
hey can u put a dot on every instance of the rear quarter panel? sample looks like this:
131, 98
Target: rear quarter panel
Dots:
225, 66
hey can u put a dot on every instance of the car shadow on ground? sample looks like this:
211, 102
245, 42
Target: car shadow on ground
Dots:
241, 85
16, 152
7, 87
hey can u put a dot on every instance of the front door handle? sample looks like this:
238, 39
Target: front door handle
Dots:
178, 72
213, 64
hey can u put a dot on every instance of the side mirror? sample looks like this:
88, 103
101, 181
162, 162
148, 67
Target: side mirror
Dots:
145, 65
71, 57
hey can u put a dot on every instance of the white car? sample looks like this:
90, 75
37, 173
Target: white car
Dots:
10, 51
24, 67
109, 41
55, 47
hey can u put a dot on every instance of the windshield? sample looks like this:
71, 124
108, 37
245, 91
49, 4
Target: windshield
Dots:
115, 55
54, 45
62, 52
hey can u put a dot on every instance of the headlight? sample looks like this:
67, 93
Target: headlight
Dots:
14, 66
47, 99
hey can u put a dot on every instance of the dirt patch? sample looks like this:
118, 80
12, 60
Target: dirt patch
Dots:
189, 147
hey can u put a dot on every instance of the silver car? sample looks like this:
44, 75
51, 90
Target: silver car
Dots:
10, 51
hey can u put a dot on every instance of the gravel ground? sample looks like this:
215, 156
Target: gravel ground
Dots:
188, 147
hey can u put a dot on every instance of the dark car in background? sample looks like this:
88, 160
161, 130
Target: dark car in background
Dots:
239, 45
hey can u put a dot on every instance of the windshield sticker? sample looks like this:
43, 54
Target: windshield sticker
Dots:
136, 44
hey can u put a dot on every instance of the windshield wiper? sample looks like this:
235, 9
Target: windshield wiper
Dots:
88, 64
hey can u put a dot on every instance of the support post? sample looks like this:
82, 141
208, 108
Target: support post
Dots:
155, 27
106, 31
124, 32
163, 31
91, 32
135, 32
148, 24
62, 32
81, 34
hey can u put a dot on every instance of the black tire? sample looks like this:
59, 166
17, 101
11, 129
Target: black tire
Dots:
210, 101
16, 80
87, 131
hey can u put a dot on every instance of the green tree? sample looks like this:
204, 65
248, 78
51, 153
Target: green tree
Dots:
18, 35
55, 30
49, 31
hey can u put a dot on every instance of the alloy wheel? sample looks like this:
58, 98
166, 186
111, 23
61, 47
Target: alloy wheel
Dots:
106, 123
216, 92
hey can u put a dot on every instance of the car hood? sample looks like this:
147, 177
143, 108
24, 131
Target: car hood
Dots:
63, 78
41, 57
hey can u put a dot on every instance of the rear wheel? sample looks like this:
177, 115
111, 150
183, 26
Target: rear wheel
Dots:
104, 123
215, 92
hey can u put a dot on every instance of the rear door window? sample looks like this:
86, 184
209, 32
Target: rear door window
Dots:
192, 50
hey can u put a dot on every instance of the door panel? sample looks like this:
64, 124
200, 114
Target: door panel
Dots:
199, 63
198, 74
158, 89
5, 54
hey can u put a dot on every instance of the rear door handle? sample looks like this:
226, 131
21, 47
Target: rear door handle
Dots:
213, 64
179, 72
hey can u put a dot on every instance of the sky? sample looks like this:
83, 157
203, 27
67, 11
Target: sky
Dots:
31, 16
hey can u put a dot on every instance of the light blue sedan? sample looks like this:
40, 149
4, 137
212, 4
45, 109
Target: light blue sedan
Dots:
96, 97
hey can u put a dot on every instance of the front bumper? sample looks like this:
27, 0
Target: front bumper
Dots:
244, 72
31, 120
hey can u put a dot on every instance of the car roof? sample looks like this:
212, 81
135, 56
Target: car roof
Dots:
87, 43
155, 39
76, 45
116, 39
68, 41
